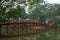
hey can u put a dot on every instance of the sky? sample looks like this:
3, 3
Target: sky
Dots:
53, 1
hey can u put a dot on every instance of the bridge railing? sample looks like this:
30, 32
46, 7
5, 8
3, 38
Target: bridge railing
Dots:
21, 27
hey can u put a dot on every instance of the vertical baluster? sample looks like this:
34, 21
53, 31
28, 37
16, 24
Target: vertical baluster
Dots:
18, 26
27, 27
0, 29
7, 29
22, 27
13, 29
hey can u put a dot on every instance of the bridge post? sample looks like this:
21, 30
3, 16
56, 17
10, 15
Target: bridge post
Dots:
0, 30
7, 29
13, 29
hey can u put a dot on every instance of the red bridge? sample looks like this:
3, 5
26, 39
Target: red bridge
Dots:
21, 27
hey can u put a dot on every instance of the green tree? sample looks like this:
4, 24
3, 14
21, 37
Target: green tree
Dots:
16, 8
35, 10
11, 9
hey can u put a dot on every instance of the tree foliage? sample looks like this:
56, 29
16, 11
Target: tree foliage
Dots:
16, 8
